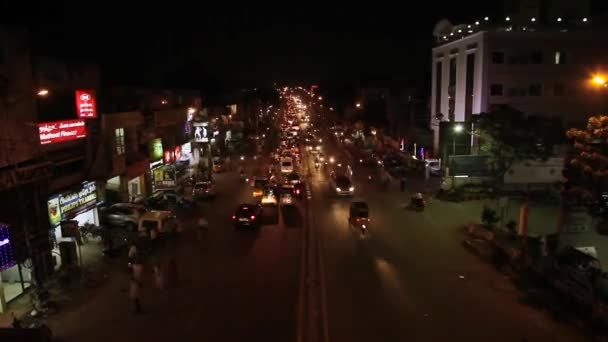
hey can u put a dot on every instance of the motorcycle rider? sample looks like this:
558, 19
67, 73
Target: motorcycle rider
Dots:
418, 200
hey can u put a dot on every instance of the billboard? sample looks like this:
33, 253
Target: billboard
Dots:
201, 131
60, 131
156, 149
86, 105
65, 204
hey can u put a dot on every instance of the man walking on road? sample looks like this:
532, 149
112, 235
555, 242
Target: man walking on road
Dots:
134, 294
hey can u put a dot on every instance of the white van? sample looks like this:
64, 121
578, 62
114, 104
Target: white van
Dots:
286, 166
162, 221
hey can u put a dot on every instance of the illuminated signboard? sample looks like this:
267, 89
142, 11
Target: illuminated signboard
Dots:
168, 156
60, 131
201, 131
178, 152
70, 202
156, 149
86, 105
7, 254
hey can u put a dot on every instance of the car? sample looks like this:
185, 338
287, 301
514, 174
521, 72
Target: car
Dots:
293, 178
286, 166
123, 214
287, 195
218, 166
342, 185
203, 190
434, 166
259, 183
269, 196
247, 215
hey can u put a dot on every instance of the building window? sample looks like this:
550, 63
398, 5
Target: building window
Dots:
536, 57
519, 60
119, 138
560, 57
498, 57
438, 90
468, 102
517, 92
559, 90
452, 89
535, 89
496, 90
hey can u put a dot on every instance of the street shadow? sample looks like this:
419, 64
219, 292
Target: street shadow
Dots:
270, 215
292, 217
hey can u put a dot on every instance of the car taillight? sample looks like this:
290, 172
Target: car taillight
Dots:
234, 217
252, 217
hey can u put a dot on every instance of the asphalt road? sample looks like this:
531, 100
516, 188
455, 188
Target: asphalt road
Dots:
409, 278
233, 285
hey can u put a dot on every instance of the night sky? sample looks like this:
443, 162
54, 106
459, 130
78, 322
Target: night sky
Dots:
239, 46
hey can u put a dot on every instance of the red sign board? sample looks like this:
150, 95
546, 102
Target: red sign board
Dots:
178, 152
86, 105
168, 156
59, 131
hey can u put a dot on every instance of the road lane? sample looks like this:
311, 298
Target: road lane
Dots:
409, 278
233, 286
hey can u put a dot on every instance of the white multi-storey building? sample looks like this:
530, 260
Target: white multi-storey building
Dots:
544, 71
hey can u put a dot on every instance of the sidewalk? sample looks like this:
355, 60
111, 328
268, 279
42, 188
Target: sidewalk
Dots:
542, 218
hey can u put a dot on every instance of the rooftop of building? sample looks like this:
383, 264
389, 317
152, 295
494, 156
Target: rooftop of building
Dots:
445, 32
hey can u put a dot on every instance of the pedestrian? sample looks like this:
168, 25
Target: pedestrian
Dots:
202, 226
402, 184
172, 272
158, 276
135, 295
132, 254
137, 268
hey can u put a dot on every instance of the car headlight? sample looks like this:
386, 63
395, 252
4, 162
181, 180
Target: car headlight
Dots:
352, 188
338, 189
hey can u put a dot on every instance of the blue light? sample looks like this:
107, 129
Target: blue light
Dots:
7, 255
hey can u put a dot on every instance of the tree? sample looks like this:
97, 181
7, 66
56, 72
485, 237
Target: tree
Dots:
508, 136
587, 170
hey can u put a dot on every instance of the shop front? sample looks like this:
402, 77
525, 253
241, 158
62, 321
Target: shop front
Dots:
162, 175
73, 207
15, 278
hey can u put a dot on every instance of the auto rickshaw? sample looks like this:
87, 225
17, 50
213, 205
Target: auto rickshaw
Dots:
359, 215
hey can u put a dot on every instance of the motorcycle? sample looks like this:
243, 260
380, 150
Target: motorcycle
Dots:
417, 203
317, 165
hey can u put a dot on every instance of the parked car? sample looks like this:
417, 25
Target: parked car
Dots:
247, 216
123, 215
434, 166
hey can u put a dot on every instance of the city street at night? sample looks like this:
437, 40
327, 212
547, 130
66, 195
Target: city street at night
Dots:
302, 173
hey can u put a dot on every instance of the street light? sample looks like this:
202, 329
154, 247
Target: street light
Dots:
358, 105
42, 92
320, 98
457, 129
599, 80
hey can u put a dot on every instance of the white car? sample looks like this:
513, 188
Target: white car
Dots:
286, 166
434, 166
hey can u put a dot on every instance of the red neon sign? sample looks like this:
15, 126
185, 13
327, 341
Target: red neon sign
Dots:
178, 152
86, 105
60, 131
168, 156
